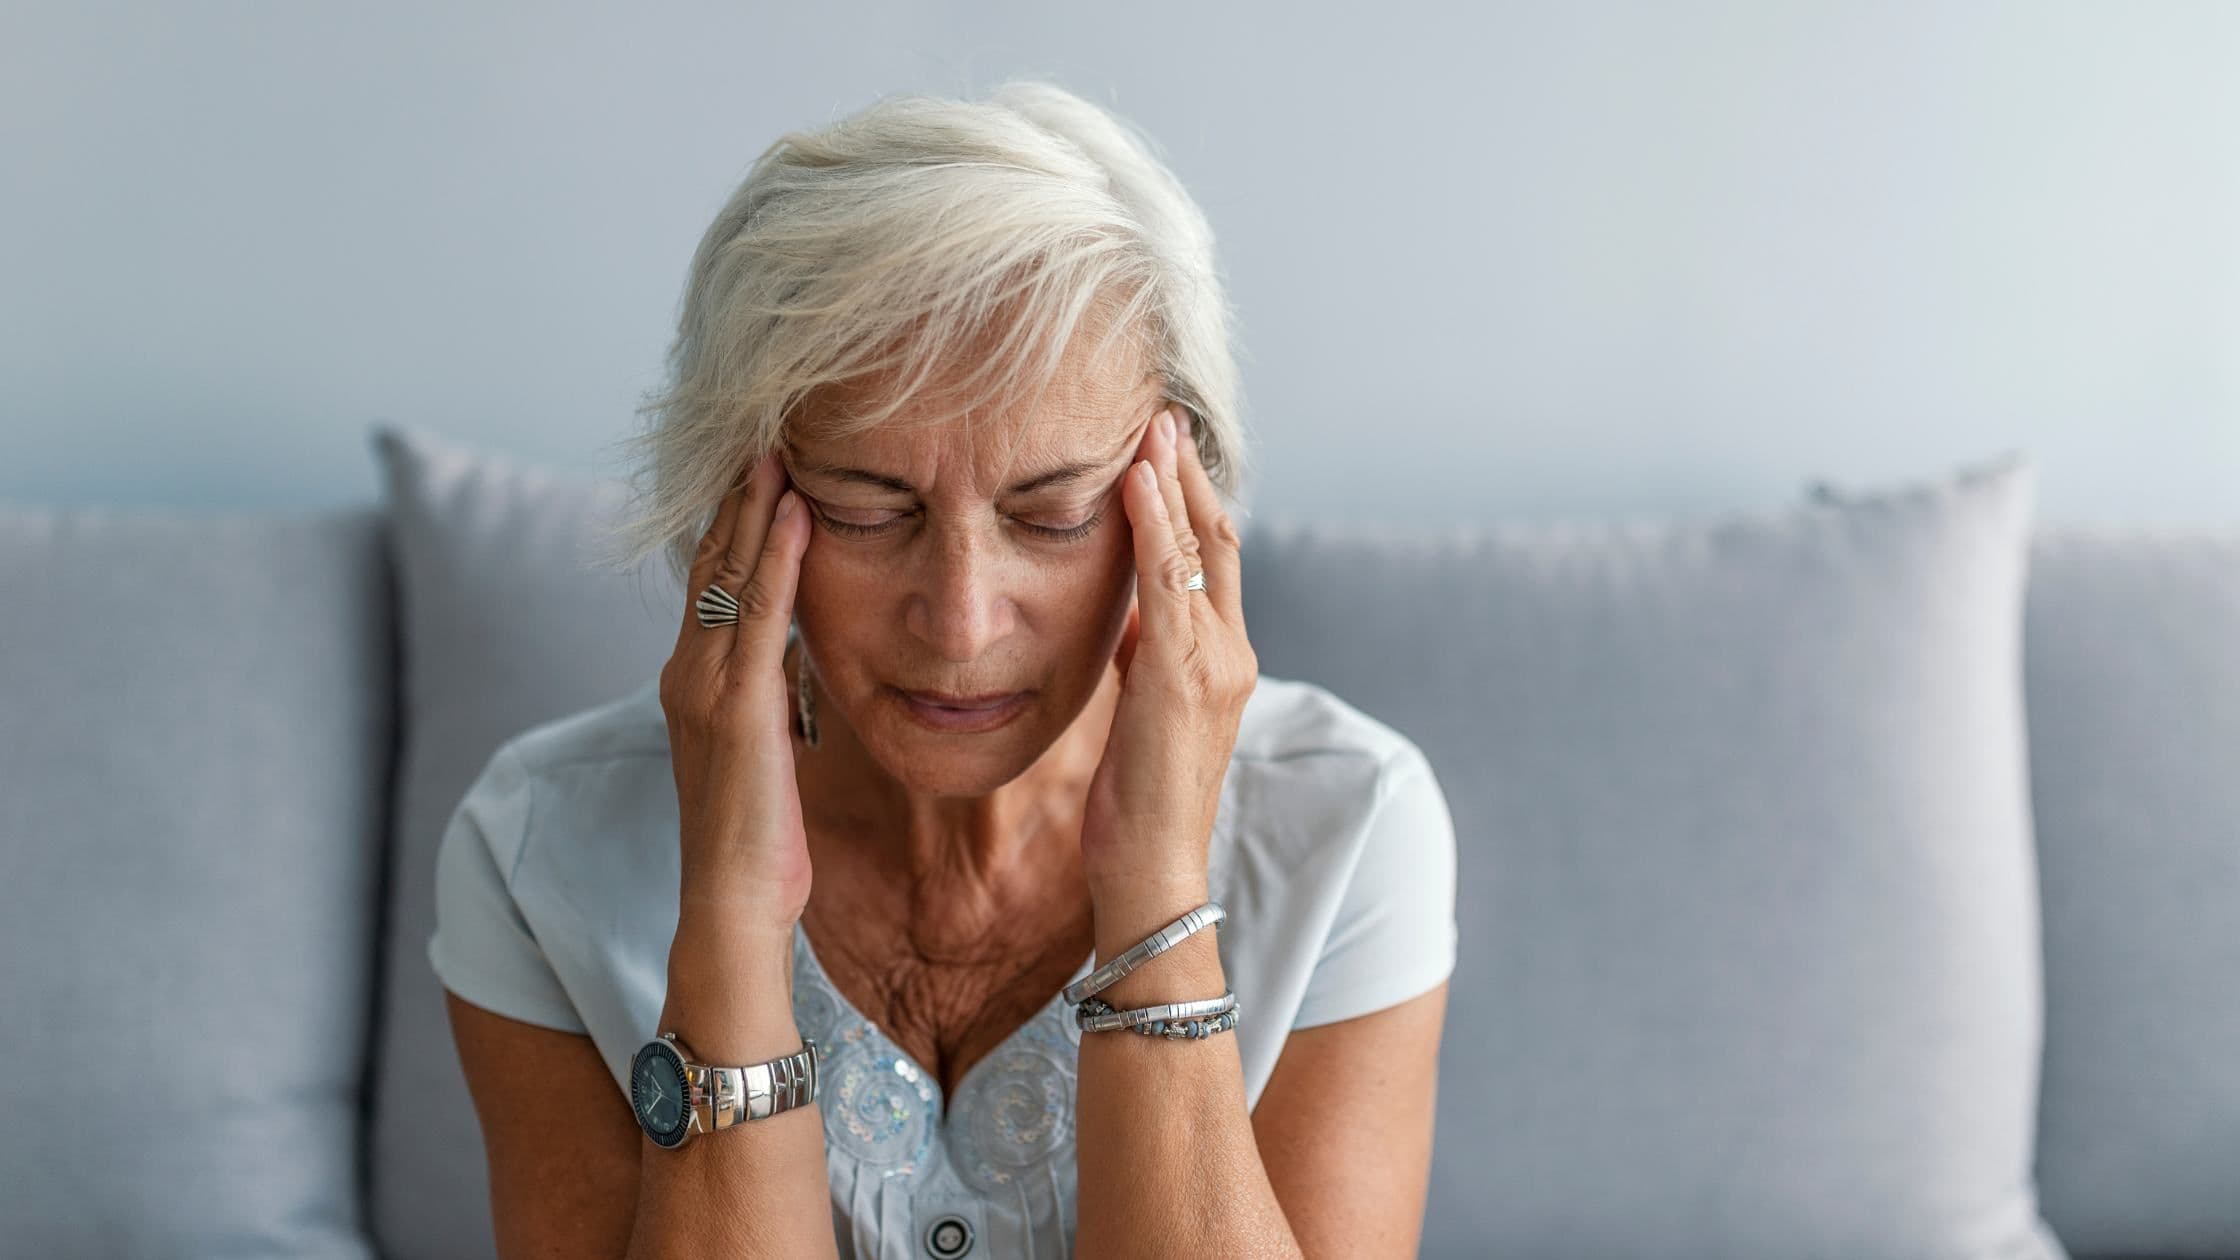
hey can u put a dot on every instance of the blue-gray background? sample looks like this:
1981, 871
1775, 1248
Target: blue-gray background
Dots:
1492, 261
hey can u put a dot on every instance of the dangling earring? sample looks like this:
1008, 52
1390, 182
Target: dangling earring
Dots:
804, 706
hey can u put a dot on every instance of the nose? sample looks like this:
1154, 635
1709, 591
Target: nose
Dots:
962, 608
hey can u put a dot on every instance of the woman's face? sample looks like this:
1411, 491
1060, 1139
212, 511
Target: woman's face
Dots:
966, 562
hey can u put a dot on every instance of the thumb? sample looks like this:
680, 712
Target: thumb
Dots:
1130, 635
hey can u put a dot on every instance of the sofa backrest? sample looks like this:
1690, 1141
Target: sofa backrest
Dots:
2133, 664
199, 789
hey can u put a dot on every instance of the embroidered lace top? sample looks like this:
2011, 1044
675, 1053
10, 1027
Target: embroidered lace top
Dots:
556, 902
999, 1156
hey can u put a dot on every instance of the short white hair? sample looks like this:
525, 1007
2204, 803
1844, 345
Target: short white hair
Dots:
888, 245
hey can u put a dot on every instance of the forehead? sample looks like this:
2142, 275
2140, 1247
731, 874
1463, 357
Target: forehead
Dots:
1088, 411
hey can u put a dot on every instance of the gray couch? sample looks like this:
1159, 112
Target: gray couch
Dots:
1857, 879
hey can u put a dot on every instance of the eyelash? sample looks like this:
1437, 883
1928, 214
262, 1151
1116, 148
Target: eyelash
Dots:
1073, 533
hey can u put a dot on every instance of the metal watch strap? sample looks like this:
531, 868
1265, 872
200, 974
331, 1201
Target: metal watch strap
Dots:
754, 1091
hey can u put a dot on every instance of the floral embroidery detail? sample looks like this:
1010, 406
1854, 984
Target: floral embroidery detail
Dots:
877, 1106
1012, 1116
1015, 1112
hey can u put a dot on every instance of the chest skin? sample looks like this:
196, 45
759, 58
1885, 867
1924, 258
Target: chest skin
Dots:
947, 967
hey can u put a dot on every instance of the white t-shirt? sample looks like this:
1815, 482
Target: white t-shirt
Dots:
1333, 854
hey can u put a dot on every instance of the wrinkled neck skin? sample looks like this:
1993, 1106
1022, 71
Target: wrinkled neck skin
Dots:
946, 862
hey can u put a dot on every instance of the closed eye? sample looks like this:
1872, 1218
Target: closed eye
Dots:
887, 525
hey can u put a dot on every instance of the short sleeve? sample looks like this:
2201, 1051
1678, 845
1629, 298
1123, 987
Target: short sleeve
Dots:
482, 948
1394, 936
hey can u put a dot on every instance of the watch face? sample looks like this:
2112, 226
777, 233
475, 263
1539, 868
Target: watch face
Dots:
657, 1092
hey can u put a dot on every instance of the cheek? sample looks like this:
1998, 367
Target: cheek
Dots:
839, 575
828, 589
1079, 591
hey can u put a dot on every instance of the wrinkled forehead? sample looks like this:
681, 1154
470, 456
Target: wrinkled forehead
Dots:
1088, 412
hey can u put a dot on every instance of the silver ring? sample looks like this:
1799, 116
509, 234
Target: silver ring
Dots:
1197, 581
717, 607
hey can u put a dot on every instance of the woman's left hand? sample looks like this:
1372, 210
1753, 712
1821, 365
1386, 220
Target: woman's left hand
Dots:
1186, 671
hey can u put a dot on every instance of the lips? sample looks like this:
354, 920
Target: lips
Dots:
956, 719
984, 700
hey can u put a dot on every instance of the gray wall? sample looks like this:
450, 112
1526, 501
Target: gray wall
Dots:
1494, 261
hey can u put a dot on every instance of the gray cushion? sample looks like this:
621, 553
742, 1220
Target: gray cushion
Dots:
2134, 684
193, 759
1750, 951
506, 624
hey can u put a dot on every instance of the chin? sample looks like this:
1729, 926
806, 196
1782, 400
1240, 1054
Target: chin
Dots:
937, 765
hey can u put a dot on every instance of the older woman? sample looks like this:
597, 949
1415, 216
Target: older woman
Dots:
960, 820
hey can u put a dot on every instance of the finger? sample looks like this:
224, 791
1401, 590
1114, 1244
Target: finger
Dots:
1161, 568
1219, 542
1125, 654
735, 560
709, 553
766, 602
1169, 461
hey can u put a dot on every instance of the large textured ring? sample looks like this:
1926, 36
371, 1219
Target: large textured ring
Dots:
1197, 581
718, 607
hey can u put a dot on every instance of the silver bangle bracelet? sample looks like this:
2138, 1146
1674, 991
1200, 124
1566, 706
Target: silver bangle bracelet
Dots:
1174, 1030
1190, 1029
1109, 1019
1208, 915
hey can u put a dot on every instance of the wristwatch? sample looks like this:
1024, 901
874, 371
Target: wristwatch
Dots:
675, 1097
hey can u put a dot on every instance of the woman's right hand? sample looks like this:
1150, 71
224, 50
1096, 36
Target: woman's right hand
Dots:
745, 860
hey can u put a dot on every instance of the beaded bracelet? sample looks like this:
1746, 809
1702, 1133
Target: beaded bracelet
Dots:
1190, 1029
1171, 1028
1175, 1021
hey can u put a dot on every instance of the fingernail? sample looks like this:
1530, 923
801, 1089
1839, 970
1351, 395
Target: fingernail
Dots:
1166, 424
785, 504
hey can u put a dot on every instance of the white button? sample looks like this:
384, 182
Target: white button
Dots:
948, 1237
